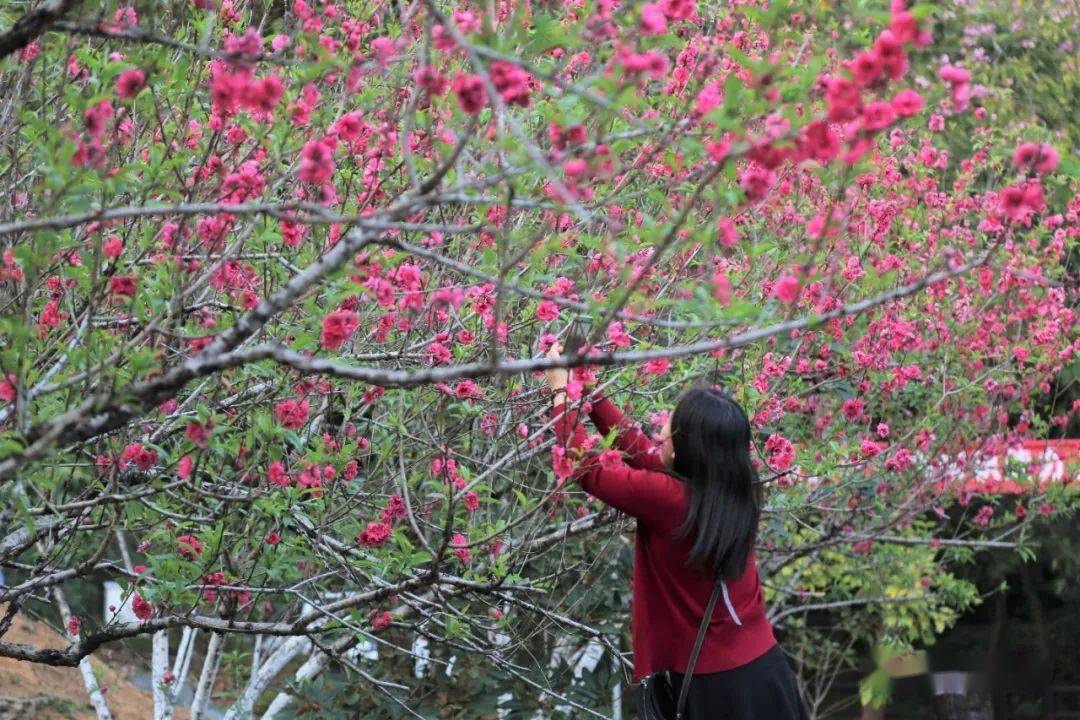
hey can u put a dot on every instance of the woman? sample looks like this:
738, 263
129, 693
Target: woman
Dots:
697, 501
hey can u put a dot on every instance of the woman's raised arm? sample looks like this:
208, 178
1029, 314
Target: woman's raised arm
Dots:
651, 496
640, 451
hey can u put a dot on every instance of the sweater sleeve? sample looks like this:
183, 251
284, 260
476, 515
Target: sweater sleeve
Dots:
640, 451
651, 496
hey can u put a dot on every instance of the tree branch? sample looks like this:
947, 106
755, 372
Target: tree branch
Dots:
32, 24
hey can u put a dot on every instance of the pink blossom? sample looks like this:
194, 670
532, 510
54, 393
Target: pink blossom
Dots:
263, 95
113, 247
852, 409
907, 102
466, 20
721, 287
511, 82
575, 168
292, 414
618, 336
653, 21
122, 285
190, 546
842, 99
729, 236
547, 311
869, 448
467, 389
459, 542
144, 458
470, 92
7, 388
1042, 158
657, 366
439, 353
904, 26
679, 9
143, 610
756, 182
429, 78
337, 327
130, 83
867, 67
561, 464
890, 51
97, 117
780, 451
275, 474
819, 142
1013, 204
316, 162
375, 534
787, 289
349, 126
610, 459
198, 433
954, 75
877, 115
384, 50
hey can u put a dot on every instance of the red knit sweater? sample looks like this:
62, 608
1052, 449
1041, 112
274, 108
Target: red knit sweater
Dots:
668, 598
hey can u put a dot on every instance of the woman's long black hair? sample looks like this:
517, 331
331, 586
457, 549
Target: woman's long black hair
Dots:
710, 434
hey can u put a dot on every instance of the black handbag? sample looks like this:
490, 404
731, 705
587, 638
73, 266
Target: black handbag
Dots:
655, 695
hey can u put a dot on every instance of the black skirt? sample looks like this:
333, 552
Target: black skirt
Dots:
763, 689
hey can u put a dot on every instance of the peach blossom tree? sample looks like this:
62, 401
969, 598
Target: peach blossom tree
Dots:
276, 281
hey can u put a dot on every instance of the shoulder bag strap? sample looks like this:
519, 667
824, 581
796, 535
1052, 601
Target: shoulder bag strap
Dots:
683, 691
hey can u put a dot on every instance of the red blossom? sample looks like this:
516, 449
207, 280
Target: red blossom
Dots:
337, 327
904, 26
867, 68
907, 102
657, 366
1041, 158
292, 414
316, 162
190, 546
819, 142
780, 451
375, 534
877, 115
842, 98
610, 459
787, 289
130, 83
122, 285
459, 542
143, 609
470, 92
653, 20
547, 311
429, 78
144, 458
511, 82
7, 388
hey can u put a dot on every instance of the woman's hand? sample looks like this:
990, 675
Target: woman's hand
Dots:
556, 377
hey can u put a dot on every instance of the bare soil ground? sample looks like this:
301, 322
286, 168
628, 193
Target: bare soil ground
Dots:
29, 691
